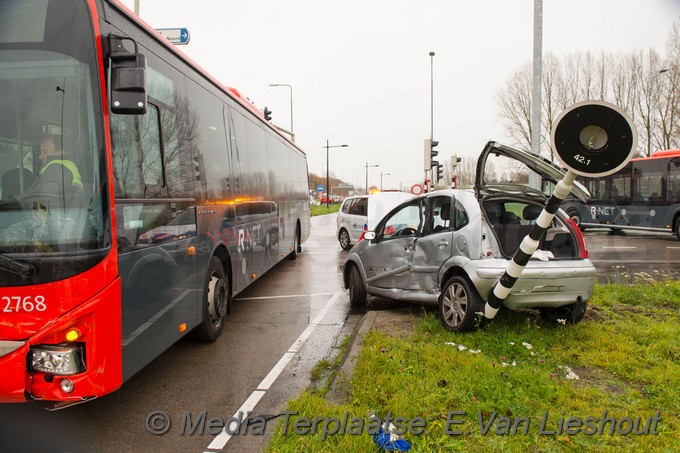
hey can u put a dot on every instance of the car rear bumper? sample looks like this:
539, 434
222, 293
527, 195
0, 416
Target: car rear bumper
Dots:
541, 284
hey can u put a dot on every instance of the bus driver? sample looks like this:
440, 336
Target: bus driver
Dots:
59, 175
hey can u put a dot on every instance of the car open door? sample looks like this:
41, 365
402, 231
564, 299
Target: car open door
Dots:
387, 258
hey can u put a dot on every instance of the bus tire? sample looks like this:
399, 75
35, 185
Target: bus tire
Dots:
576, 217
216, 300
677, 227
297, 248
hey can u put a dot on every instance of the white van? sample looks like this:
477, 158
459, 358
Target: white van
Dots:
361, 213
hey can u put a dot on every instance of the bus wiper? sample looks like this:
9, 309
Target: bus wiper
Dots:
15, 266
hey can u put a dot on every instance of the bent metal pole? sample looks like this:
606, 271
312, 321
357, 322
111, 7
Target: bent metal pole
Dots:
528, 246
591, 138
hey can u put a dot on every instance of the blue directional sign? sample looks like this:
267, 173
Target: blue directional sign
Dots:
319, 188
177, 36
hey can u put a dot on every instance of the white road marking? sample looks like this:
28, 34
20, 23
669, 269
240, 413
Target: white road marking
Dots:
620, 247
247, 407
284, 296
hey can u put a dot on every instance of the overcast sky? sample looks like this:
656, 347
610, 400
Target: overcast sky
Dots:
360, 69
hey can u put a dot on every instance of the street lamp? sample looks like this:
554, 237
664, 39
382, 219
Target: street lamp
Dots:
652, 113
376, 165
291, 104
381, 175
328, 187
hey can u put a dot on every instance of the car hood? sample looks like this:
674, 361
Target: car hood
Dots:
546, 169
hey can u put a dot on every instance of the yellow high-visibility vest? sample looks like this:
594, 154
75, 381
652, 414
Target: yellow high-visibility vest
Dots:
72, 168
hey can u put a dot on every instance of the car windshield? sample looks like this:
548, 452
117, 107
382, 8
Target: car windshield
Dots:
407, 221
52, 195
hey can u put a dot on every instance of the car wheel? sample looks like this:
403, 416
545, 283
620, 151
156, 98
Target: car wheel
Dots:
459, 304
357, 292
567, 314
344, 240
215, 302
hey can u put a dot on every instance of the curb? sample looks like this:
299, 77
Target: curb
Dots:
337, 391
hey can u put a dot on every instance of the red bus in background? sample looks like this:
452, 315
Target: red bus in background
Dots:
173, 194
644, 195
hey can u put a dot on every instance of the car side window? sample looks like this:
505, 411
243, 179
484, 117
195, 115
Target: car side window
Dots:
461, 216
346, 205
440, 214
360, 207
407, 221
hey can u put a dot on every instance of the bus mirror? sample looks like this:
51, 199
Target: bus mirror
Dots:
128, 77
594, 138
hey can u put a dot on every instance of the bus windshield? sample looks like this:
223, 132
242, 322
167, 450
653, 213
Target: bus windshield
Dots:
52, 195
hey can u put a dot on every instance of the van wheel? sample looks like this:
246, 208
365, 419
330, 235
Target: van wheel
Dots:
357, 292
459, 304
344, 240
567, 314
216, 301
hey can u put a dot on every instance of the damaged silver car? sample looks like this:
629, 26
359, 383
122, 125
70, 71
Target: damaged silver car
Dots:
450, 247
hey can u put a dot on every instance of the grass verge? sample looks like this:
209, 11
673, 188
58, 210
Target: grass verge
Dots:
316, 209
518, 385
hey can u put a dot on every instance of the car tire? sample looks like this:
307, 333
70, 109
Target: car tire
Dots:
357, 291
569, 314
459, 304
216, 300
344, 240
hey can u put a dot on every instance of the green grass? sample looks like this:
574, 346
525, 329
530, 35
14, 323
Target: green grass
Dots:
316, 209
626, 354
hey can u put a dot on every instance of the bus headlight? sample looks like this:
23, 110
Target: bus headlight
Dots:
54, 359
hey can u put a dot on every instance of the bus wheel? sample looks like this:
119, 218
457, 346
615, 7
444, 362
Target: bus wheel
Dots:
574, 215
677, 228
296, 245
215, 302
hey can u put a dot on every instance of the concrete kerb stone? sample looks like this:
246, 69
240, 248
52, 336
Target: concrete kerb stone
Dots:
396, 322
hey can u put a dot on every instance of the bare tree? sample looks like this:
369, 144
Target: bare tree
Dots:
642, 83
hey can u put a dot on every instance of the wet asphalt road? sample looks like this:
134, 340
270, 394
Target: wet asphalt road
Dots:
631, 256
278, 330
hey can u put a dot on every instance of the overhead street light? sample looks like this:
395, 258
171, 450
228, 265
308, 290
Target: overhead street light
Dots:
381, 175
291, 103
328, 187
652, 113
367, 166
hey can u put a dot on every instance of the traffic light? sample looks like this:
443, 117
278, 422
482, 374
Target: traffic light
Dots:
429, 154
433, 152
440, 171
199, 167
267, 114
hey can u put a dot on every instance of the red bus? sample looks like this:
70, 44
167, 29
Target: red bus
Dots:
644, 195
138, 197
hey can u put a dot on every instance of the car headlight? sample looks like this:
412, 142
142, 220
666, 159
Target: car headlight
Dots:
55, 359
